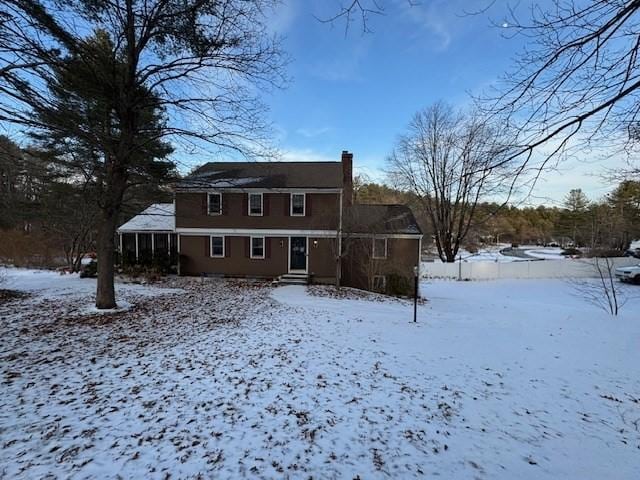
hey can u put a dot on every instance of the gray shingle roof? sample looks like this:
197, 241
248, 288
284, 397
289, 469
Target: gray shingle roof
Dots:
381, 219
265, 175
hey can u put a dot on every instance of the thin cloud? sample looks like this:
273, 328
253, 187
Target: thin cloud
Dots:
433, 20
312, 132
306, 155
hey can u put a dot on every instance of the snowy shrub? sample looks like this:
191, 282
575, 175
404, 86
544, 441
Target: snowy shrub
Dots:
399, 285
90, 270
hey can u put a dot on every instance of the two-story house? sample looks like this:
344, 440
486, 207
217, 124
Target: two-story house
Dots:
294, 220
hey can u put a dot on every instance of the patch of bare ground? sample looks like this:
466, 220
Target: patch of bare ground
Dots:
348, 293
11, 295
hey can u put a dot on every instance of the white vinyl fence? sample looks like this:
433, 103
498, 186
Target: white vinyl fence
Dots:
569, 268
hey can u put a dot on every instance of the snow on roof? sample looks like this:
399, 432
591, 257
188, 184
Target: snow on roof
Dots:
159, 217
265, 175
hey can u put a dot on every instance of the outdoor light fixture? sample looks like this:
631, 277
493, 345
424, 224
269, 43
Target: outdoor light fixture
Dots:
315, 244
281, 243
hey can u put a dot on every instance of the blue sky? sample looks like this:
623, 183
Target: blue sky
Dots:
358, 91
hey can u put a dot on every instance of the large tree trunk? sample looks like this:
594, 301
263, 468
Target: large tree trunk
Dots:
105, 292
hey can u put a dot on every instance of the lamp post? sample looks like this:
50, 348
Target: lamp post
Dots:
415, 294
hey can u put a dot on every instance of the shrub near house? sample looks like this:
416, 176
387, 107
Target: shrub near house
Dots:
275, 219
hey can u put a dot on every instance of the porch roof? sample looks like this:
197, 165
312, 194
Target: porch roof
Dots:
159, 217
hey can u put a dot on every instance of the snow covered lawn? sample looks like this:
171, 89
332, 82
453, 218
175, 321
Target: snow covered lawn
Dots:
224, 379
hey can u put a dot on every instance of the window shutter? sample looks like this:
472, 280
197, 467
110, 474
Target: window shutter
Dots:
207, 245
267, 247
205, 199
287, 199
265, 204
245, 204
223, 202
227, 247
307, 205
247, 241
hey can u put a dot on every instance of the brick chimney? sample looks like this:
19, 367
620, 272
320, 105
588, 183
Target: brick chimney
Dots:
347, 178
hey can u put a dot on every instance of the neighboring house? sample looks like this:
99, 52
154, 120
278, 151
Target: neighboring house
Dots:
284, 219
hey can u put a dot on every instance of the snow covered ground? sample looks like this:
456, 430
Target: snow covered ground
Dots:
493, 253
486, 254
546, 253
224, 379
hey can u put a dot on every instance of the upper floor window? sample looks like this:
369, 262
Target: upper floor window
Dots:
257, 247
255, 204
298, 204
217, 247
214, 204
379, 248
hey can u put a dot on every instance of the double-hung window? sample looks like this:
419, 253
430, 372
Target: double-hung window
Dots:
217, 247
255, 204
214, 204
257, 247
298, 204
379, 248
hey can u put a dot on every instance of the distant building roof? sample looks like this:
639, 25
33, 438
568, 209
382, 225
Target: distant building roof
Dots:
159, 217
265, 175
381, 219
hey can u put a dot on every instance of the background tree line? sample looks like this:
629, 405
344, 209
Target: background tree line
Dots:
607, 225
49, 214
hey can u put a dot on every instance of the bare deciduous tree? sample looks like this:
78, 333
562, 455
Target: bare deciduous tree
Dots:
575, 85
603, 292
576, 82
447, 159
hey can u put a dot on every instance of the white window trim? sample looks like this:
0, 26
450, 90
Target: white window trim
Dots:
304, 205
384, 281
261, 205
373, 247
209, 212
224, 240
264, 248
